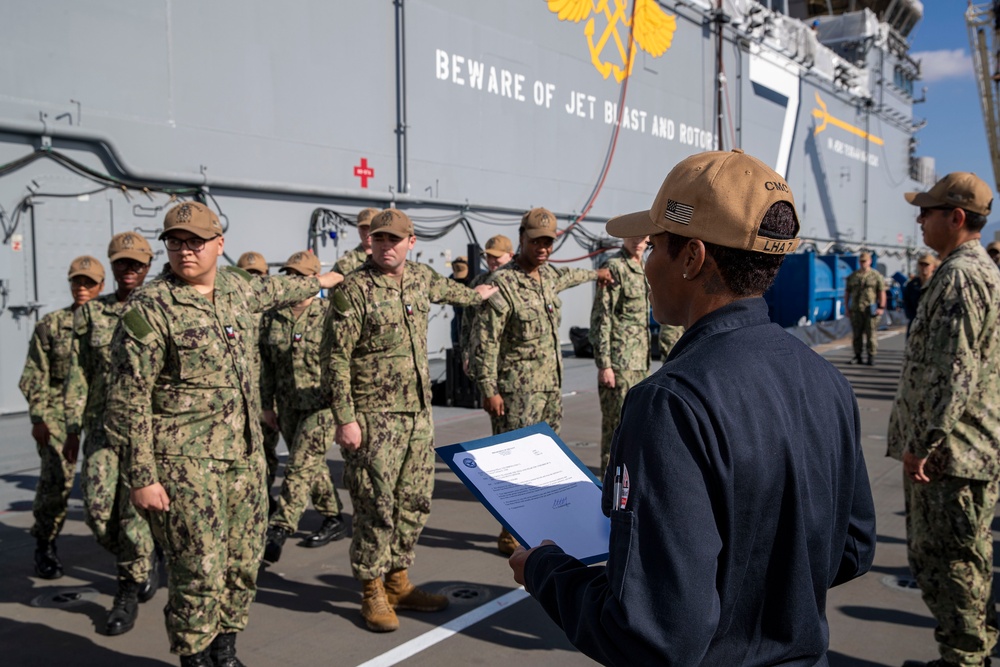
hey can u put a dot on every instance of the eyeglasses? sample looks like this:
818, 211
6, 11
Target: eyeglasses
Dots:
194, 243
924, 212
133, 265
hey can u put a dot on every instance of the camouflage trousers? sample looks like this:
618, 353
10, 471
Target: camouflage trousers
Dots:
109, 513
55, 482
529, 408
271, 437
612, 399
213, 539
950, 549
307, 475
863, 328
391, 480
668, 338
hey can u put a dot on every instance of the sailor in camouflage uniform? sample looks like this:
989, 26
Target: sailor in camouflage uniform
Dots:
374, 355
183, 404
290, 376
353, 259
518, 363
45, 371
619, 334
499, 250
945, 422
255, 264
109, 513
865, 288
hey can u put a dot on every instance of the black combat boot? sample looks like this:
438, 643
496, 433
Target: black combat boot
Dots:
47, 565
276, 536
148, 588
201, 659
855, 361
223, 651
122, 616
871, 360
333, 528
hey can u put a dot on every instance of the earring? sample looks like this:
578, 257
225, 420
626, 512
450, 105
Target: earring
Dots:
685, 276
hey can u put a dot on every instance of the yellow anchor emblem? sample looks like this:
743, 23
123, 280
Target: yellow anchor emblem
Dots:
653, 30
824, 115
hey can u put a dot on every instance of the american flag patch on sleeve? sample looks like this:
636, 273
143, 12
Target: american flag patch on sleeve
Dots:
678, 212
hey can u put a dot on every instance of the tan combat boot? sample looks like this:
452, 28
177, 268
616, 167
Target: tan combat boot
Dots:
404, 595
375, 608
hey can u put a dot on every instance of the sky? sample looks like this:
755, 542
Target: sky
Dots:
954, 135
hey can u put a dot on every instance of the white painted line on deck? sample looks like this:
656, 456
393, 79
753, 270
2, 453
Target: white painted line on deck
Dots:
428, 639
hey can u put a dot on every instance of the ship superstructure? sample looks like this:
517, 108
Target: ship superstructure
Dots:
288, 118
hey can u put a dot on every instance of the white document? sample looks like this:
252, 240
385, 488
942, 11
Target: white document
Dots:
534, 485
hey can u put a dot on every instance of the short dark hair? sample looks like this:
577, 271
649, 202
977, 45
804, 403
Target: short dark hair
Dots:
974, 222
744, 272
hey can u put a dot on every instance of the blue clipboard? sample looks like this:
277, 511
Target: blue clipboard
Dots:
588, 517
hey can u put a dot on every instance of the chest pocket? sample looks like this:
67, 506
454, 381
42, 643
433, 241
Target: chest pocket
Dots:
529, 323
384, 330
60, 353
198, 358
101, 336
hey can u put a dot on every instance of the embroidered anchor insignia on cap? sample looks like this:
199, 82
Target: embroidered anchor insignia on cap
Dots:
85, 263
128, 242
184, 213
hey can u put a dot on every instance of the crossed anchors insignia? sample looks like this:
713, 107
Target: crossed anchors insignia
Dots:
85, 263
823, 115
128, 242
297, 257
653, 30
184, 213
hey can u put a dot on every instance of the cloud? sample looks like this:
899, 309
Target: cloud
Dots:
944, 64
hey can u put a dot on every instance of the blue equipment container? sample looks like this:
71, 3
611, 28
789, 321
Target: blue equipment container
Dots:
809, 288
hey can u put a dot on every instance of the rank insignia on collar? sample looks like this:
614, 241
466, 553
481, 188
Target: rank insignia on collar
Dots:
230, 332
296, 337
409, 309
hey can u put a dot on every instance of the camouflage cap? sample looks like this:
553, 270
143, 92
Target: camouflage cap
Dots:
130, 245
253, 261
85, 265
192, 217
392, 221
539, 222
303, 262
498, 246
460, 267
719, 197
365, 216
959, 189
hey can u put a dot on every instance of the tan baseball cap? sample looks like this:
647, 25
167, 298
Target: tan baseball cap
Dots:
303, 262
392, 221
194, 217
539, 222
253, 261
994, 246
365, 216
85, 265
960, 189
864, 254
719, 197
460, 267
931, 258
130, 245
499, 246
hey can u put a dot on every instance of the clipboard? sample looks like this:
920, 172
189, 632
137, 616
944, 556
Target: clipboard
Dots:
532, 483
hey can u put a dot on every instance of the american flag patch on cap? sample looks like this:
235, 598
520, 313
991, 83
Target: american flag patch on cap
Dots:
678, 212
